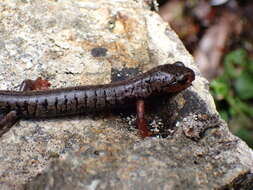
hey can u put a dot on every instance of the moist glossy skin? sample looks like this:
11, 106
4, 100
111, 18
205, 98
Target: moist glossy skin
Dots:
167, 78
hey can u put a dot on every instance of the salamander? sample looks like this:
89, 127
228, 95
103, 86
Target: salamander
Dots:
168, 78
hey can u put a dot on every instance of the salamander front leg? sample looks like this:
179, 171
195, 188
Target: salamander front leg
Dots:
141, 121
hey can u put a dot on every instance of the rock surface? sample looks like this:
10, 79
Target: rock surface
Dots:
92, 42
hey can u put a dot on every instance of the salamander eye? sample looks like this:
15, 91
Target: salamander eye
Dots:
179, 63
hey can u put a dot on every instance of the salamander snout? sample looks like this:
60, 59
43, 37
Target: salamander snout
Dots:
182, 79
177, 77
185, 78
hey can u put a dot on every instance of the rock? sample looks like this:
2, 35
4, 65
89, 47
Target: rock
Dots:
92, 42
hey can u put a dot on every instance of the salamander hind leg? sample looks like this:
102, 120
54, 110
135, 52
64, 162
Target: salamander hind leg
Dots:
7, 121
38, 84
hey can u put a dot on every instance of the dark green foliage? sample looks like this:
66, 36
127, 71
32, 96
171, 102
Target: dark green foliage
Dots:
233, 94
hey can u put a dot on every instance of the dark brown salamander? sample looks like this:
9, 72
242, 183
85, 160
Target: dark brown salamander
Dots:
169, 78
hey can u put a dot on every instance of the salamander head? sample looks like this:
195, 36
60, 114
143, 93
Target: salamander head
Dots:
174, 77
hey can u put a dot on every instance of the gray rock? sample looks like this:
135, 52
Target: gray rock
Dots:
92, 42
